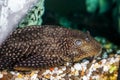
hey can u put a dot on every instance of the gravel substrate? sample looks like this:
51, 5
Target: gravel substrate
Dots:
104, 69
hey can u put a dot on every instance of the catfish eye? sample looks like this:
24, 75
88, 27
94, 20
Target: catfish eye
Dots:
78, 42
87, 39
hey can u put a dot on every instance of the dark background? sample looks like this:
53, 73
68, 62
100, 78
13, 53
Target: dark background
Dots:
73, 14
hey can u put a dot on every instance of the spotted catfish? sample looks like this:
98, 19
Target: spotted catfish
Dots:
45, 46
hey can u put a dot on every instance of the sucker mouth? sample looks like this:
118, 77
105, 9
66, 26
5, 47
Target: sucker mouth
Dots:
94, 54
91, 56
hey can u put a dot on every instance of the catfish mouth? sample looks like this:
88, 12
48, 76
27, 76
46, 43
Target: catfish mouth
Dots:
94, 52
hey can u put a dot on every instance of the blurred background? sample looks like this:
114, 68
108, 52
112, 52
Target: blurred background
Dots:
100, 17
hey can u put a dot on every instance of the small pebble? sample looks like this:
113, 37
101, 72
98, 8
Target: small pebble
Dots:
1, 75
19, 79
112, 69
64, 68
85, 78
77, 66
72, 69
118, 52
34, 76
62, 75
105, 55
106, 68
76, 73
96, 77
103, 61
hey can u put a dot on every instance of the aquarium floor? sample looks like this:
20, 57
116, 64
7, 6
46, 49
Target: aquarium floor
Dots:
101, 69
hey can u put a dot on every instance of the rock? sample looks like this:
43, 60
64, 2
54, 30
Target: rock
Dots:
10, 14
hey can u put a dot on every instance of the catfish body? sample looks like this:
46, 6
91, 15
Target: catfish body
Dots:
45, 46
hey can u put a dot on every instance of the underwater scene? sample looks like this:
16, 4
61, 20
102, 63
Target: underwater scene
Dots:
59, 39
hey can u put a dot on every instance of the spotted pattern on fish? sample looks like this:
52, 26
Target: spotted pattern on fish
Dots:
45, 46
